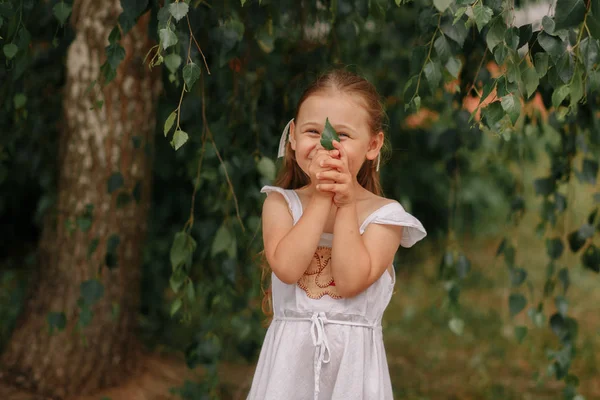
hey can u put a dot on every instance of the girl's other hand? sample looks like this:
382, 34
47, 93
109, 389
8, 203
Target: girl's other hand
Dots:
321, 155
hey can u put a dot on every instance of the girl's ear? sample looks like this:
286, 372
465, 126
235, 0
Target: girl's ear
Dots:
293, 135
375, 145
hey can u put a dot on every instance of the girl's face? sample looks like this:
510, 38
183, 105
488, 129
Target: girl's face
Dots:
348, 117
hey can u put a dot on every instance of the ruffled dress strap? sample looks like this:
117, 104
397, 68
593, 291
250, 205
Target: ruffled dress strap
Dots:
394, 214
290, 196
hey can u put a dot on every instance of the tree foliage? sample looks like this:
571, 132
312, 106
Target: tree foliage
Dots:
234, 71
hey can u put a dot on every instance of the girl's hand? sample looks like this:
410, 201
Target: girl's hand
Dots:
315, 168
336, 170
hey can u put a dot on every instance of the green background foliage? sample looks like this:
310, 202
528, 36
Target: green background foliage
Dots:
233, 73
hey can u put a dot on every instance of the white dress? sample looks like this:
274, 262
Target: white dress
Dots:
321, 346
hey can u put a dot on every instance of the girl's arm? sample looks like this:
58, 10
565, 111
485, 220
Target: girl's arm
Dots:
289, 248
358, 261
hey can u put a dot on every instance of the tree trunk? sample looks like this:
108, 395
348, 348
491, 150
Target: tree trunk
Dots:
96, 143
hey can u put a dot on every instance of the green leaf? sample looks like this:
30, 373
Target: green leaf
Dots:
458, 15
453, 66
516, 303
531, 80
133, 8
179, 139
433, 75
517, 276
511, 37
487, 89
457, 32
512, 106
169, 122
92, 247
548, 24
482, 14
267, 168
589, 52
19, 100
457, 326
223, 241
265, 41
500, 53
175, 306
191, 293
554, 248
179, 10
565, 67
191, 73
442, 48
569, 13
328, 136
560, 94
544, 186
168, 38
91, 291
492, 114
56, 320
541, 64
589, 171
115, 53
591, 258
10, 50
244, 2
61, 11
552, 45
115, 181
520, 333
173, 61
576, 92
495, 34
561, 305
525, 33
563, 277
442, 5
182, 249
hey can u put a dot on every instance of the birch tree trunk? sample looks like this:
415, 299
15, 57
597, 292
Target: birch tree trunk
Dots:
98, 146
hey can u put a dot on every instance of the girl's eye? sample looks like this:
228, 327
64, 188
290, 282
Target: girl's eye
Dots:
314, 131
340, 134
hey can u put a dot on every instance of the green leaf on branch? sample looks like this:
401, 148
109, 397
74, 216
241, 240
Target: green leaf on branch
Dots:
56, 320
548, 24
525, 33
560, 94
442, 48
531, 80
182, 249
169, 122
568, 13
115, 182
552, 45
61, 11
495, 34
500, 53
511, 38
544, 186
589, 171
179, 139
589, 52
115, 53
458, 14
433, 74
175, 306
565, 67
178, 10
172, 62
487, 89
482, 15
520, 333
267, 168
191, 73
591, 258
541, 64
512, 105
168, 38
457, 32
328, 136
133, 8
516, 303
10, 50
517, 276
442, 5
224, 241
457, 326
91, 291
19, 100
563, 277
578, 238
453, 66
554, 248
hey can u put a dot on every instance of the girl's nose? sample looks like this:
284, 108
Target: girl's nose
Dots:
319, 146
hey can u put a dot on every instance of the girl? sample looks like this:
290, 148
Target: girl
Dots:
330, 239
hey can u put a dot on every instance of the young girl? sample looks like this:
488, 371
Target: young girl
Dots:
330, 239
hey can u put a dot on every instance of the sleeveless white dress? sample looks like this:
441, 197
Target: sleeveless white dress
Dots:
319, 345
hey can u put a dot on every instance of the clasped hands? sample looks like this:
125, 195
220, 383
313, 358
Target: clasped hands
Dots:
329, 170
